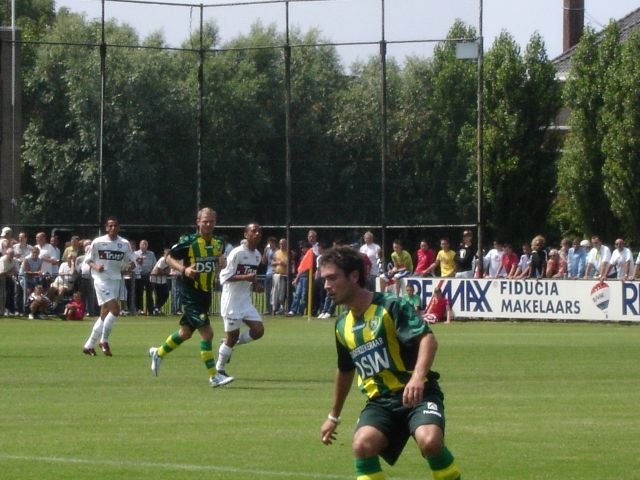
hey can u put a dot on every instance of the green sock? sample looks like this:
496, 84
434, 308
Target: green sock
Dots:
206, 353
172, 342
369, 468
443, 466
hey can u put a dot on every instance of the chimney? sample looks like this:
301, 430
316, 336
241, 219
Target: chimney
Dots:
573, 23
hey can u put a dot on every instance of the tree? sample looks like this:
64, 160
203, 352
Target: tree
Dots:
620, 143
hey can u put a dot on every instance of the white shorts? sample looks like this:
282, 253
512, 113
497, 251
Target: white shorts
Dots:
232, 324
107, 290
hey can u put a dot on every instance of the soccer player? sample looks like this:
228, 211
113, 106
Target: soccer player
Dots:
108, 256
195, 257
236, 306
382, 339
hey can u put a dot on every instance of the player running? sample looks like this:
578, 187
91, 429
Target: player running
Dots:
236, 305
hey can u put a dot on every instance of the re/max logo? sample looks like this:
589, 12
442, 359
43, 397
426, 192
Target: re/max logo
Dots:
468, 296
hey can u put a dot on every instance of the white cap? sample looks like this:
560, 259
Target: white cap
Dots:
5, 231
585, 243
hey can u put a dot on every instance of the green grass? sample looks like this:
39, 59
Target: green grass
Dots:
524, 401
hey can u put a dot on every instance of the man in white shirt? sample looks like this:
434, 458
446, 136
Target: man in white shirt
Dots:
372, 250
49, 255
109, 255
621, 261
598, 260
493, 261
238, 280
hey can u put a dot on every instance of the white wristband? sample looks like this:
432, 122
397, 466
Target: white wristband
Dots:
335, 420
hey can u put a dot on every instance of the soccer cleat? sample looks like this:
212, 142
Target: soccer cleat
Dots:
89, 351
31, 317
104, 346
155, 360
220, 379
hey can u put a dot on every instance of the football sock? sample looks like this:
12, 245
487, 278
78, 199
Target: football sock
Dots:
224, 353
244, 337
96, 332
172, 342
206, 353
369, 469
443, 466
109, 321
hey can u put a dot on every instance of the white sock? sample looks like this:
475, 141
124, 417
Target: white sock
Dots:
96, 331
224, 352
244, 338
109, 321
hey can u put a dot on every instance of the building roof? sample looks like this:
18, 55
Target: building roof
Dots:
626, 25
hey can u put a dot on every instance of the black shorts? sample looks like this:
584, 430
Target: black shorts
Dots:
196, 305
397, 422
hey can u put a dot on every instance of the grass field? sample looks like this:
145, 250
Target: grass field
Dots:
524, 401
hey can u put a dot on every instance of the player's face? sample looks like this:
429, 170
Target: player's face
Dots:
340, 288
206, 223
253, 233
112, 227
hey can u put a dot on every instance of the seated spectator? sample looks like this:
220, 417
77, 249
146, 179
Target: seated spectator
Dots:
401, 267
577, 258
412, 298
621, 261
509, 262
424, 258
538, 262
493, 261
63, 284
438, 309
598, 260
74, 310
444, 260
39, 303
522, 270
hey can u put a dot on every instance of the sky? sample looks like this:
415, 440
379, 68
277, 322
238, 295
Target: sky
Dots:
360, 20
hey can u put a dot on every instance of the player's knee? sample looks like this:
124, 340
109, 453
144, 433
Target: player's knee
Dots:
430, 443
256, 332
364, 446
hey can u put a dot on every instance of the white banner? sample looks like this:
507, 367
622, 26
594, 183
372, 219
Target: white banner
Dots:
612, 300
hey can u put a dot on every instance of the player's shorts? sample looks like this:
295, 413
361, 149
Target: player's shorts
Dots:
196, 305
234, 321
107, 290
397, 422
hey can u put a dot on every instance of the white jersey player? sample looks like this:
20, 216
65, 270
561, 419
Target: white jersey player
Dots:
236, 306
108, 256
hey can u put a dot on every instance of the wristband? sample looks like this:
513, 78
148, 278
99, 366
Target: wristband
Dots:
335, 420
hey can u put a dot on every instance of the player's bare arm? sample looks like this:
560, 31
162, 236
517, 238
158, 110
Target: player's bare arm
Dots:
341, 390
177, 265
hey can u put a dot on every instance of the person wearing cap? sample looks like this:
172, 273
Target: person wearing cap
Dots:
598, 260
7, 240
465, 255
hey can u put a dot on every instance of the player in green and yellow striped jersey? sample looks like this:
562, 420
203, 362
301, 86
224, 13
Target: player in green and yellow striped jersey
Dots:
384, 341
195, 256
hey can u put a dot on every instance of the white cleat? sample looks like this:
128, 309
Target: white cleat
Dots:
155, 360
220, 379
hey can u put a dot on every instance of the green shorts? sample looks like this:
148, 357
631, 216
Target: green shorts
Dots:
398, 422
196, 305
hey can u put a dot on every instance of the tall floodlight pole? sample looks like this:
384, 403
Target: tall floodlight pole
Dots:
383, 130
480, 139
103, 56
200, 133
14, 200
287, 135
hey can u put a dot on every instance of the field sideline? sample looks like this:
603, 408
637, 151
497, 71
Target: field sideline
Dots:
524, 401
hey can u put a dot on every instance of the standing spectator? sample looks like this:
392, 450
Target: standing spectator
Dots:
538, 262
86, 283
493, 261
195, 256
402, 265
621, 261
553, 264
73, 248
280, 264
8, 269
312, 238
6, 239
438, 309
598, 260
267, 260
147, 260
22, 249
509, 262
159, 282
522, 271
465, 256
372, 251
576, 258
636, 269
108, 256
54, 241
31, 271
425, 257
49, 256
301, 281
563, 264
